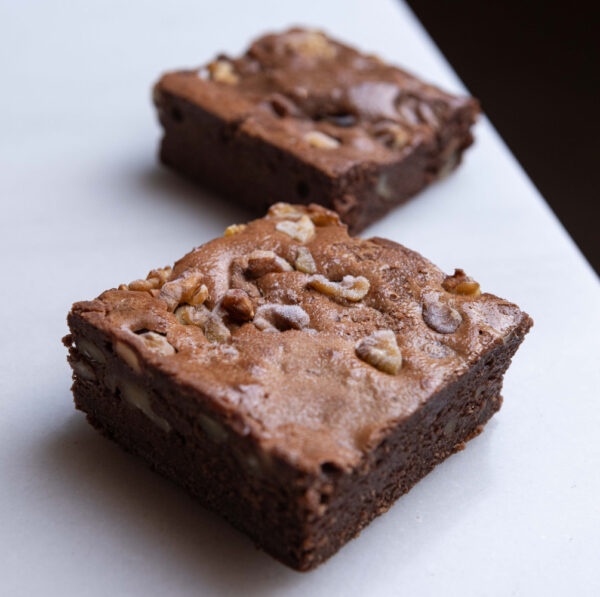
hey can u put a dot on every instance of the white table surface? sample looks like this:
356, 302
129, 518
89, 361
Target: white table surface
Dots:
85, 206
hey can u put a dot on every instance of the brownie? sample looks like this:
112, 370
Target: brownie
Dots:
295, 379
301, 115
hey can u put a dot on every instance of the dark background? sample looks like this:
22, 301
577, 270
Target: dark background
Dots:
535, 69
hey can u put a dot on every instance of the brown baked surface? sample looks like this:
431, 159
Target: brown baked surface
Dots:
316, 362
301, 114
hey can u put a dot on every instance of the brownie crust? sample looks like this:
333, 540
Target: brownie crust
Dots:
297, 407
301, 115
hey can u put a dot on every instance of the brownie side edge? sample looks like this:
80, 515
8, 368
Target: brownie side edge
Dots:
299, 519
256, 174
453, 416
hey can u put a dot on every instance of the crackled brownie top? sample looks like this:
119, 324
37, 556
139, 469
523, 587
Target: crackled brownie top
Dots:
317, 342
319, 99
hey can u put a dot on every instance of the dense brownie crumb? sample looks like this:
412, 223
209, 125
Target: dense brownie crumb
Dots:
294, 378
300, 114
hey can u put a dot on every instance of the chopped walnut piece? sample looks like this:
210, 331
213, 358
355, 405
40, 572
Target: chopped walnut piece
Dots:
273, 316
192, 315
142, 285
128, 355
321, 140
212, 428
184, 289
380, 350
302, 230
285, 210
311, 43
84, 371
159, 276
282, 105
90, 350
440, 317
304, 261
199, 296
391, 134
260, 263
351, 287
238, 305
222, 71
234, 229
383, 188
238, 277
211, 324
137, 396
154, 280
157, 343
294, 212
427, 114
451, 161
460, 283
215, 330
320, 218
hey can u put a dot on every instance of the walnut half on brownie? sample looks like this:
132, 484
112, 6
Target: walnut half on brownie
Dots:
297, 380
302, 115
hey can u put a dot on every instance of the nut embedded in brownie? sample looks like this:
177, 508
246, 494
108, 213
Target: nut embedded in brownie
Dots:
295, 379
302, 115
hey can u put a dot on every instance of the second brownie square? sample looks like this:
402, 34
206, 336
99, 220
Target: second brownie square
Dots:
301, 115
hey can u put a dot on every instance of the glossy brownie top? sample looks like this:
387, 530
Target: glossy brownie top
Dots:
313, 342
321, 100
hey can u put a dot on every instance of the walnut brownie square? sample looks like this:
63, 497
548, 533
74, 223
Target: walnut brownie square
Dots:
302, 115
295, 379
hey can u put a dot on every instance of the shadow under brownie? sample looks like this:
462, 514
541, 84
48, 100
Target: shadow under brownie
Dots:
295, 379
302, 115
